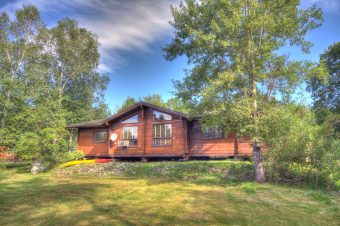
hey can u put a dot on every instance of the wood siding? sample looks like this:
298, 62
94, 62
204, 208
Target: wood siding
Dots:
186, 139
227, 146
145, 136
90, 148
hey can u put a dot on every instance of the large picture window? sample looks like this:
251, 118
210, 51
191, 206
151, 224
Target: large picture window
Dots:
131, 134
213, 133
99, 136
132, 119
162, 134
160, 116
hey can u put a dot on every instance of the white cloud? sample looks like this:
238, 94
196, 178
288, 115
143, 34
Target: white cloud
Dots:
325, 5
120, 25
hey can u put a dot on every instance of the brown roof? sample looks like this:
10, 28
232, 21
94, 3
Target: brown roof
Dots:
89, 124
102, 122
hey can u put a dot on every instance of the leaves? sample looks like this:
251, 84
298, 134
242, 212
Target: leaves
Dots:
48, 79
233, 47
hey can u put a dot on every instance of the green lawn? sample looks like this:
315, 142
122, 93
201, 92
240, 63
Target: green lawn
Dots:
59, 199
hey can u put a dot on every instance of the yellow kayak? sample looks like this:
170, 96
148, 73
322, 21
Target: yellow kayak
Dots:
72, 163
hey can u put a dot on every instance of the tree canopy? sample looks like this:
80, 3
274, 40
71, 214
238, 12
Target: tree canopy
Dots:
48, 79
237, 72
326, 95
156, 99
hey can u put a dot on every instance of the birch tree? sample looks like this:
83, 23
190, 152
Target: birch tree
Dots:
48, 79
237, 69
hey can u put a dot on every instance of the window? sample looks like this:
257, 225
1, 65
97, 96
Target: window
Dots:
159, 116
131, 134
132, 119
162, 134
213, 133
99, 136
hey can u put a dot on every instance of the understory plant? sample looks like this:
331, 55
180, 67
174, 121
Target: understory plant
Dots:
73, 155
298, 150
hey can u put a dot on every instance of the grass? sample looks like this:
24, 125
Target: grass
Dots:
134, 199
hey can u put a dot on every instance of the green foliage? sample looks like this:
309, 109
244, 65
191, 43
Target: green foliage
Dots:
237, 74
129, 101
73, 155
234, 55
337, 185
299, 150
48, 79
45, 144
156, 99
326, 94
176, 104
28, 146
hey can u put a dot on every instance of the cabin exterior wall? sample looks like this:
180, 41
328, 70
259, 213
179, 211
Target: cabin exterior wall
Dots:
88, 146
187, 139
229, 145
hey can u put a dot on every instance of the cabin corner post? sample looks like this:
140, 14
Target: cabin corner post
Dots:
144, 129
109, 134
186, 148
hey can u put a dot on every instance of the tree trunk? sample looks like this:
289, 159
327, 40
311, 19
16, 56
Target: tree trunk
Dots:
258, 165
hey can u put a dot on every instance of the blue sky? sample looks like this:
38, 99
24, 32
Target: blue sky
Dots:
132, 33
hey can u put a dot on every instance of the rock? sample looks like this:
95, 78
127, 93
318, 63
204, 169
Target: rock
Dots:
37, 167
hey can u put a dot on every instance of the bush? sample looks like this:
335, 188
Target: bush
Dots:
47, 145
299, 150
74, 155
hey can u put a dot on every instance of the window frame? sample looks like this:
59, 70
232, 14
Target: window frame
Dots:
213, 138
122, 121
160, 137
161, 120
130, 139
99, 131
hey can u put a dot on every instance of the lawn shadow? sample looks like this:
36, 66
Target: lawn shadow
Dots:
36, 200
204, 181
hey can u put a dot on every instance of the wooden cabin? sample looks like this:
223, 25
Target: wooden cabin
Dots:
145, 130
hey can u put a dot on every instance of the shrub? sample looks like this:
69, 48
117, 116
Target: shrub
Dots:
47, 145
299, 150
74, 155
337, 185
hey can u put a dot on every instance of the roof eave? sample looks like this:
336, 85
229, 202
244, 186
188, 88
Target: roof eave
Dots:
140, 104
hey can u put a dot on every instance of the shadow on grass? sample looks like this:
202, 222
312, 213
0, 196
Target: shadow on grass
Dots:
211, 180
47, 199
35, 201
